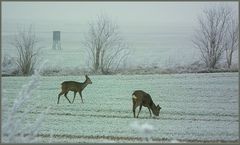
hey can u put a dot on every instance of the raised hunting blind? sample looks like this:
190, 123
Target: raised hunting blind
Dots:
56, 40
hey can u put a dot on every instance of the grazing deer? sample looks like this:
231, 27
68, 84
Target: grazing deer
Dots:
75, 87
141, 98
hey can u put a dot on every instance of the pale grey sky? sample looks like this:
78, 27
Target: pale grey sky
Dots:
64, 15
158, 32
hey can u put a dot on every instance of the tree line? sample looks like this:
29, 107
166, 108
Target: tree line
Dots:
216, 35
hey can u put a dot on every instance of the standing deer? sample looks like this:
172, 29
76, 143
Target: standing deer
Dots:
75, 87
141, 98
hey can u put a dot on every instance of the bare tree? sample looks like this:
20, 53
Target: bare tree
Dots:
106, 48
26, 43
231, 42
209, 38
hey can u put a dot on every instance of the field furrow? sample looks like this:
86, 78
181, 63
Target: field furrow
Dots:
195, 108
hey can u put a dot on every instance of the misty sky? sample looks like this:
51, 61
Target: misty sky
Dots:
164, 27
64, 15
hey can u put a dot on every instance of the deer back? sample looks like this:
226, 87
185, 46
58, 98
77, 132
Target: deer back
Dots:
141, 97
72, 86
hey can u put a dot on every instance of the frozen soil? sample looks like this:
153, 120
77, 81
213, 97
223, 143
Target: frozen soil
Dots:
195, 108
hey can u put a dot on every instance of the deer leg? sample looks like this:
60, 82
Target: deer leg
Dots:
74, 96
59, 97
139, 110
67, 97
134, 111
150, 112
80, 93
134, 108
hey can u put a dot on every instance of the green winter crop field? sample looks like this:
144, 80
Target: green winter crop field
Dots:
195, 108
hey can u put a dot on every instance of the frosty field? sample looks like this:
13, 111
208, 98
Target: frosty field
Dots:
195, 108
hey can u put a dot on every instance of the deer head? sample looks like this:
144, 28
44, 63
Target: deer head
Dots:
156, 110
88, 80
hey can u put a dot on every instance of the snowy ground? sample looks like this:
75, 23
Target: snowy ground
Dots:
195, 107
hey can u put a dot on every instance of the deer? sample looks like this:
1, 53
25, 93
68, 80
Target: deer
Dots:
75, 87
141, 98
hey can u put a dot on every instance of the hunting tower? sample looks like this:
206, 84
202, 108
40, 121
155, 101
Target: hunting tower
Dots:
56, 40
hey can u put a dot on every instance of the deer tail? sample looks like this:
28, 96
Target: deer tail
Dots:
134, 97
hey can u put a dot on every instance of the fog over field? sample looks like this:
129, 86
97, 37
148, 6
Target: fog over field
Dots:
198, 103
158, 33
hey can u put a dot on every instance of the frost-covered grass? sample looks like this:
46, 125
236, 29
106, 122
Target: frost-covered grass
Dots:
14, 128
195, 107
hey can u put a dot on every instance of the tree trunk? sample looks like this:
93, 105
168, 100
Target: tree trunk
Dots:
96, 67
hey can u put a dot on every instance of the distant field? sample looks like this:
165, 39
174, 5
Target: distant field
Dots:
195, 108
